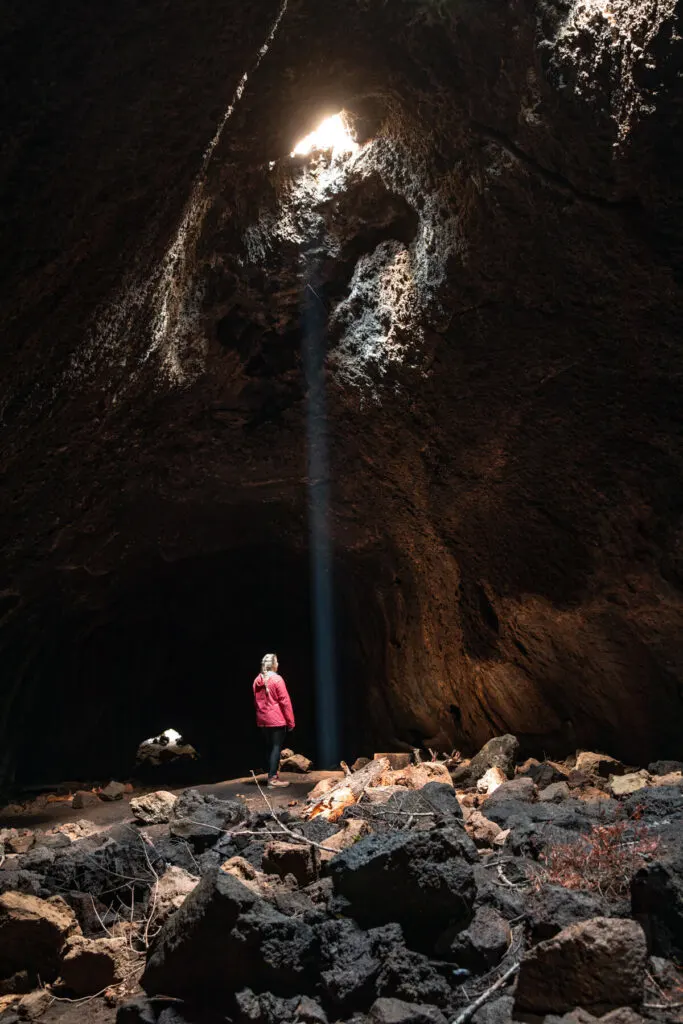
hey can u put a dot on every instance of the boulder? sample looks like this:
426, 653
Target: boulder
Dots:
144, 1011
396, 1011
172, 889
491, 780
91, 965
153, 808
302, 861
32, 934
672, 779
602, 765
520, 789
203, 819
419, 879
113, 791
83, 798
555, 793
225, 937
598, 965
624, 785
499, 752
579, 780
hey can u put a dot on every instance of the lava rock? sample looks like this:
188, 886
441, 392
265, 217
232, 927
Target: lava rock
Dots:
97, 864
396, 1011
223, 937
202, 819
20, 842
34, 1004
601, 765
83, 798
481, 830
153, 808
555, 793
292, 859
349, 966
520, 789
419, 879
113, 791
32, 934
143, 1011
657, 903
499, 752
598, 965
172, 889
658, 803
91, 965
411, 976
665, 767
480, 946
625, 785
498, 1011
554, 908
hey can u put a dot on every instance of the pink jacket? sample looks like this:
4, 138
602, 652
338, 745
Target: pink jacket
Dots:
273, 706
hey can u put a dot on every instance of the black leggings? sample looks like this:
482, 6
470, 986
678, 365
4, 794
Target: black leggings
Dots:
275, 738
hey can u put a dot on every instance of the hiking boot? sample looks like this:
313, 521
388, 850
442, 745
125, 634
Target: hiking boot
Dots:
277, 784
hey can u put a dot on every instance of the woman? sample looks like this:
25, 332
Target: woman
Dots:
273, 714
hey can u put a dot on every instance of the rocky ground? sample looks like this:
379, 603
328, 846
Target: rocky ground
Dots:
482, 890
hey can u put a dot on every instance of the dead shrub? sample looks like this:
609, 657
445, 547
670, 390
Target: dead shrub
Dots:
603, 860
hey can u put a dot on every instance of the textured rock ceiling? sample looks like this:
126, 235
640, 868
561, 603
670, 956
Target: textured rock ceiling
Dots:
496, 273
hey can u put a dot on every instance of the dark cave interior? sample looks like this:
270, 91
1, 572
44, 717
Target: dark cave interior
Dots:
497, 273
179, 649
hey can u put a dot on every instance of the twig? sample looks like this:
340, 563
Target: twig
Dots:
473, 1007
287, 831
345, 767
662, 1006
104, 927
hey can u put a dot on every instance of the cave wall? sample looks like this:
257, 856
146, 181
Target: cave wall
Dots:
498, 276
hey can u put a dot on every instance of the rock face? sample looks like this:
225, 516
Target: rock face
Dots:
494, 277
597, 965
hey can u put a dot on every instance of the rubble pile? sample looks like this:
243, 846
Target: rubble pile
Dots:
403, 892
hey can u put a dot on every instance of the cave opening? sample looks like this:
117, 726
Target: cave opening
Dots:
179, 648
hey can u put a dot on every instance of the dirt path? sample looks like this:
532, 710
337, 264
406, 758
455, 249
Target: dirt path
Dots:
42, 816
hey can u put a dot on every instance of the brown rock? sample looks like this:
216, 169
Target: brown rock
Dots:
555, 793
303, 862
577, 780
242, 869
20, 842
296, 763
113, 791
624, 1015
588, 793
32, 933
672, 779
598, 764
359, 763
624, 785
397, 761
598, 964
83, 798
90, 965
415, 776
481, 830
34, 1004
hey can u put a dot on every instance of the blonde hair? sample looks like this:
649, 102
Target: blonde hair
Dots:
268, 663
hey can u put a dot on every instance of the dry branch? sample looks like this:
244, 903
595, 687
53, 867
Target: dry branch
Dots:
346, 792
470, 1010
